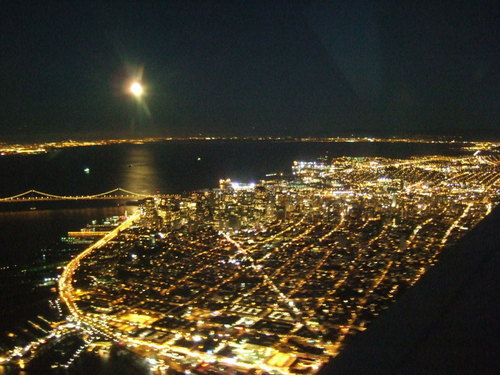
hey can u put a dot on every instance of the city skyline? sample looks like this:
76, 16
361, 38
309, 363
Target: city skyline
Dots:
249, 187
279, 275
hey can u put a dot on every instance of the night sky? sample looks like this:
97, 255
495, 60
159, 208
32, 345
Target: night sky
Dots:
249, 68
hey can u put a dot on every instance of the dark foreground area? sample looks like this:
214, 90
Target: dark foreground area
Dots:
446, 324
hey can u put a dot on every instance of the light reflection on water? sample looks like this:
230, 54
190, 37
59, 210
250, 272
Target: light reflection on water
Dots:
140, 173
12, 371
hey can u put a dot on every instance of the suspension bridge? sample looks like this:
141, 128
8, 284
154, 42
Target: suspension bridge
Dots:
115, 194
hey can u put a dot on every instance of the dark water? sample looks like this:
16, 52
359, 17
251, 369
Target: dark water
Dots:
174, 166
24, 233
167, 167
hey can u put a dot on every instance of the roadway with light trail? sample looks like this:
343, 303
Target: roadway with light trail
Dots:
65, 287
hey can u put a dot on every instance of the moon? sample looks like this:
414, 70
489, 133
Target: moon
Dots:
136, 89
